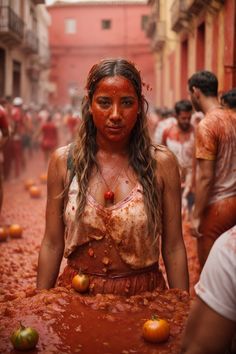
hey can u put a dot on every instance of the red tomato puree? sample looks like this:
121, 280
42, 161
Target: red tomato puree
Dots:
68, 322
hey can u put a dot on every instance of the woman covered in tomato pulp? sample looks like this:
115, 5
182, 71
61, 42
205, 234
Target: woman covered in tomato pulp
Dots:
113, 196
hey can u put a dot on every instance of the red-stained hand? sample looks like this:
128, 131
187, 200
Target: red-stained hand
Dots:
194, 227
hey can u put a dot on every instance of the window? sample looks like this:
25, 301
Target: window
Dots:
70, 25
106, 24
144, 20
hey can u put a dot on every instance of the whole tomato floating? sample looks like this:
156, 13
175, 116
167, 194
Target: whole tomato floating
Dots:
3, 233
29, 183
35, 192
156, 330
80, 283
24, 338
15, 231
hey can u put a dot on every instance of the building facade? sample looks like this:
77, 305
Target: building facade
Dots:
87, 31
191, 35
24, 52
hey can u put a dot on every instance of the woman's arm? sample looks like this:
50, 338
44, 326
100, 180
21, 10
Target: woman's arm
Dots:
52, 246
173, 248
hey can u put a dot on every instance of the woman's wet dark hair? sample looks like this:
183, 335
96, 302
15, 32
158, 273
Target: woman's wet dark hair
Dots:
113, 67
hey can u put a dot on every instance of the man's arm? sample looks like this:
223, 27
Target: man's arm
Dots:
204, 181
207, 332
173, 248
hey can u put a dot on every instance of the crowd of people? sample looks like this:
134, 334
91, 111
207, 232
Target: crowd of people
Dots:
204, 143
26, 130
120, 184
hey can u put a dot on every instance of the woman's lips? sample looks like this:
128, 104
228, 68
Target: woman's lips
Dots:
114, 128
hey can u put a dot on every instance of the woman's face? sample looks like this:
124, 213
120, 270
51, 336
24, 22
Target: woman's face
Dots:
114, 108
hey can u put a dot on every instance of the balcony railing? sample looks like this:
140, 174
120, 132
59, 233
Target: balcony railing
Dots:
196, 6
159, 37
179, 16
30, 43
11, 26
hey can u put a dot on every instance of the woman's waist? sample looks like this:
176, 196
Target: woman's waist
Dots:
112, 273
103, 258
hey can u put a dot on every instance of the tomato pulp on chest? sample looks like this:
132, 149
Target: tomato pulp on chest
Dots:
114, 108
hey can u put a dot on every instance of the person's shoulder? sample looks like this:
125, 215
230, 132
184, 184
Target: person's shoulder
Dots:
60, 155
170, 129
227, 241
214, 114
164, 156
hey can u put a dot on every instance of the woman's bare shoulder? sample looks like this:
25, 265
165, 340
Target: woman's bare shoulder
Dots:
164, 156
60, 155
58, 161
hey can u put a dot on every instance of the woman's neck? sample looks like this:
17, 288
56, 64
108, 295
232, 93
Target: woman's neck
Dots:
112, 147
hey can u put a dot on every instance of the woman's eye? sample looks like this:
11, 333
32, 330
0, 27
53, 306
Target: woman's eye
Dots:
127, 102
104, 103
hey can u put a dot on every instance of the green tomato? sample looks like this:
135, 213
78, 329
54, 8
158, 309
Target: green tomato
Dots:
24, 338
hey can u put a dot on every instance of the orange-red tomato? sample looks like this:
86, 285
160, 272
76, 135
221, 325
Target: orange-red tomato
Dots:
43, 178
80, 283
156, 330
29, 183
24, 338
3, 233
15, 231
35, 192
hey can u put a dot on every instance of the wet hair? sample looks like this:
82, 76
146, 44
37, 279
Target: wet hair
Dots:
229, 98
140, 148
206, 81
183, 106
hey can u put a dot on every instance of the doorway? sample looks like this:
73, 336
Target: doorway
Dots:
16, 78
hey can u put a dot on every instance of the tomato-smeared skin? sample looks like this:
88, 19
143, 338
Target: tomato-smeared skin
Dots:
156, 330
24, 338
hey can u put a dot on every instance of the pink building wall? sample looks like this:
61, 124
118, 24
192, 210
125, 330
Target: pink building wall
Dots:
74, 54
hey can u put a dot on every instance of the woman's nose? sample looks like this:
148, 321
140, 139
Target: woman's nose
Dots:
115, 113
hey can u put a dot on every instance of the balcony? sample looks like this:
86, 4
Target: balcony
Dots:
11, 26
37, 2
30, 42
179, 16
196, 6
159, 37
44, 59
151, 26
